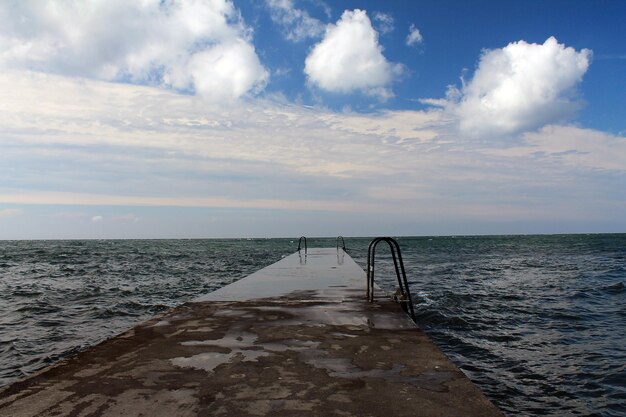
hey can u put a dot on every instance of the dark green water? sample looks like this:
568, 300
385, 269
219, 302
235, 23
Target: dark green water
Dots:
538, 322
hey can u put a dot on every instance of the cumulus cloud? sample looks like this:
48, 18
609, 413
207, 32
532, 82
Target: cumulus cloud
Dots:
520, 87
295, 23
225, 71
190, 45
384, 22
414, 37
349, 59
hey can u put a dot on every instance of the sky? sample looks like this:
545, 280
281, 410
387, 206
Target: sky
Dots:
281, 118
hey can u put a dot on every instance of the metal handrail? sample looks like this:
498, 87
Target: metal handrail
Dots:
403, 294
343, 243
300, 241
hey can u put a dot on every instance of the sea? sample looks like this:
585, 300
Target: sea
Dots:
537, 322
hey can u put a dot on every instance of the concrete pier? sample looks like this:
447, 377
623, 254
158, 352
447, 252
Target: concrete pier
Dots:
295, 338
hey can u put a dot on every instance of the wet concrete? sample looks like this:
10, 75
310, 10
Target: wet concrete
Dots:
309, 352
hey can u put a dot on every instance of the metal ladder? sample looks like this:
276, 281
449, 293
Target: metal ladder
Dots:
343, 244
299, 244
403, 293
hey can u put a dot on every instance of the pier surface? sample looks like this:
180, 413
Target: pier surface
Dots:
295, 338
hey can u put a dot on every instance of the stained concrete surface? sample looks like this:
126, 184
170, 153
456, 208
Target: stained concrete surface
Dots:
306, 352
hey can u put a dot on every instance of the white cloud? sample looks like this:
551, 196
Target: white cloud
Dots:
97, 219
349, 58
520, 87
414, 37
384, 22
399, 127
571, 146
295, 23
97, 144
435, 102
154, 42
4, 213
226, 71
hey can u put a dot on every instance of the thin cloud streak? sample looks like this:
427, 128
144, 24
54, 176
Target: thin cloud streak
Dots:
78, 199
10, 212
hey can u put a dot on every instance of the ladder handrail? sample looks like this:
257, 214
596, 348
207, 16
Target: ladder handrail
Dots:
403, 285
300, 241
343, 243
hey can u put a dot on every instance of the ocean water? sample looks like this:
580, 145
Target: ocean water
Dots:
537, 322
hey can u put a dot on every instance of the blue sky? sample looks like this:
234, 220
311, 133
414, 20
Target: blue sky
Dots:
288, 117
455, 32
